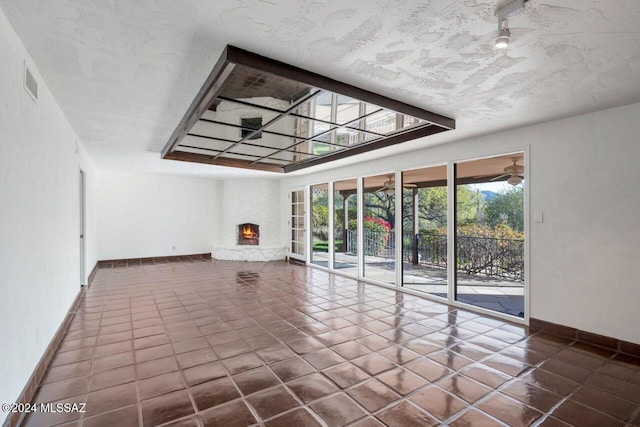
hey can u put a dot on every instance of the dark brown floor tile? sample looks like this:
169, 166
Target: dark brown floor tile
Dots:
114, 337
39, 419
156, 367
159, 385
153, 353
62, 389
421, 346
550, 381
152, 341
346, 374
125, 417
373, 394
234, 414
525, 355
374, 342
167, 407
507, 365
566, 369
113, 361
368, 422
72, 356
428, 369
438, 402
485, 375
350, 350
510, 411
110, 398
331, 338
205, 372
255, 380
398, 354
241, 363
115, 348
338, 410
580, 415
272, 402
112, 377
450, 359
474, 418
222, 338
305, 345
464, 388
373, 363
214, 393
402, 381
231, 349
532, 395
71, 370
615, 386
405, 414
196, 357
553, 422
604, 402
298, 418
192, 421
323, 359
190, 345
311, 387
275, 354
290, 369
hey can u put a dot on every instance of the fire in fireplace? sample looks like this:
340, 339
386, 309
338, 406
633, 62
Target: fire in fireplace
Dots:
248, 234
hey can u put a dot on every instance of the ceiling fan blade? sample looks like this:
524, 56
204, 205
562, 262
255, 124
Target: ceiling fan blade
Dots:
381, 189
410, 185
500, 177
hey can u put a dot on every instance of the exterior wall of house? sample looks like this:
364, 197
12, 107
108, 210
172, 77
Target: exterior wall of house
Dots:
584, 178
146, 215
40, 160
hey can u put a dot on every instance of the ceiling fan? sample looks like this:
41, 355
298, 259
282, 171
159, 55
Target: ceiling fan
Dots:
515, 172
389, 186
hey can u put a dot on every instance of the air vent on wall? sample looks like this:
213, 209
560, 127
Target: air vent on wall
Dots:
30, 83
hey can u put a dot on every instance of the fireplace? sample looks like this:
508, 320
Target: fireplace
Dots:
248, 234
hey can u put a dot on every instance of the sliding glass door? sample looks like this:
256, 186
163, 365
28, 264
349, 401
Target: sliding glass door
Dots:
379, 228
424, 236
320, 225
489, 241
345, 202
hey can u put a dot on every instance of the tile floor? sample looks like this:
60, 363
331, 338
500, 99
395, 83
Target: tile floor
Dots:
208, 343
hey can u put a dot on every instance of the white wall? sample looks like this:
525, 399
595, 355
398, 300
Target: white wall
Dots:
39, 217
584, 177
146, 215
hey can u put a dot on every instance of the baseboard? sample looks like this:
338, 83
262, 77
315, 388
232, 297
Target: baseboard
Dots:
128, 262
609, 343
92, 275
29, 391
291, 260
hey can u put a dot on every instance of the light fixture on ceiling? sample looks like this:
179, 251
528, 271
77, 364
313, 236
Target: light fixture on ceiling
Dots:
504, 34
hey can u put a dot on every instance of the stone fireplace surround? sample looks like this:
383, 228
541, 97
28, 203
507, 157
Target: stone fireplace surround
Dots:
255, 201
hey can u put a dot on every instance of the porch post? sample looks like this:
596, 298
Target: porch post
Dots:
416, 226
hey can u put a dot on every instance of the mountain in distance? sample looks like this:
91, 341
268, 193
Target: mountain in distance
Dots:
488, 195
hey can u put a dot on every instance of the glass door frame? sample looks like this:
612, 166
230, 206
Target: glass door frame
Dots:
451, 228
305, 225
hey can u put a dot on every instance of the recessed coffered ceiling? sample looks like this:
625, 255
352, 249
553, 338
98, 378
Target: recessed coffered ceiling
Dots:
124, 72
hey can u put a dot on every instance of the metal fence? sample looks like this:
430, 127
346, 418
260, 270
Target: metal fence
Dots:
486, 256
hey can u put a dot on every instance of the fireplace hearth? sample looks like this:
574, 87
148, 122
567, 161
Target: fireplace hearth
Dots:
248, 234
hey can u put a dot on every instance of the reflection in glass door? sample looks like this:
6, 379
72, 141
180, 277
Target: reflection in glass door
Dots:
297, 224
346, 226
379, 232
424, 236
320, 224
489, 241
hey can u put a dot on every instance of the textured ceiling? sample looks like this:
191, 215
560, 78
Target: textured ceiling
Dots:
124, 72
